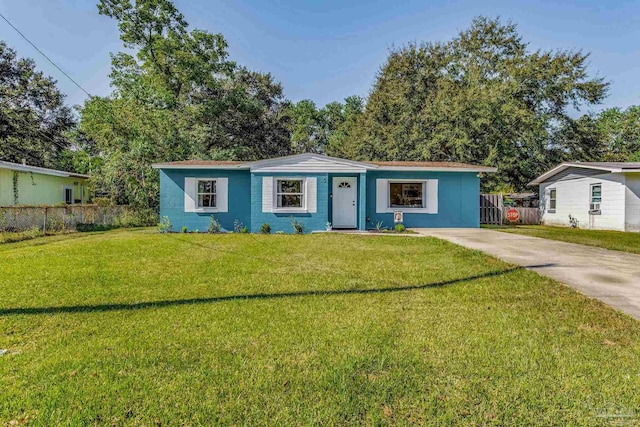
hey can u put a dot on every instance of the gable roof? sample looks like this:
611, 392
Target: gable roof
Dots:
310, 162
36, 169
610, 167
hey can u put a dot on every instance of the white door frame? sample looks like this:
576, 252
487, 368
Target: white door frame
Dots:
348, 217
64, 193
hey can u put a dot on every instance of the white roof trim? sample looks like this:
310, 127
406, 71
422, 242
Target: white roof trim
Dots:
178, 166
43, 171
436, 169
563, 166
287, 160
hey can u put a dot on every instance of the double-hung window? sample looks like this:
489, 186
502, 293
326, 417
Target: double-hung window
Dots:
207, 197
290, 193
596, 198
407, 194
552, 200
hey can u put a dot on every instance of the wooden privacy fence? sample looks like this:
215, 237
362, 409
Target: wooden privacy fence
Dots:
59, 218
493, 211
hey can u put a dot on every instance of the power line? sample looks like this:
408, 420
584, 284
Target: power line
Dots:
43, 54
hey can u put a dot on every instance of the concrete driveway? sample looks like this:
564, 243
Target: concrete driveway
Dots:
610, 276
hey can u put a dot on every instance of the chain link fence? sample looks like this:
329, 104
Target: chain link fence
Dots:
50, 219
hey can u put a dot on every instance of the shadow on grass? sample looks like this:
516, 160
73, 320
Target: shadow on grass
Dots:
170, 303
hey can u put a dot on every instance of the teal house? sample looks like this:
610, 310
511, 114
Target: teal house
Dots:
317, 191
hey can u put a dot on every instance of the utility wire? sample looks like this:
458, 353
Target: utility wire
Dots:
43, 54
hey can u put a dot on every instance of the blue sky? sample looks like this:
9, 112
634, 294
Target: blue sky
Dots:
327, 50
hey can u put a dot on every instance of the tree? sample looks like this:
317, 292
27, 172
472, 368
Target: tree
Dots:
178, 97
620, 133
481, 97
34, 121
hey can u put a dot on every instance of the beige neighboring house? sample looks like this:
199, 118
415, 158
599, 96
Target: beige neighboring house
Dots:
599, 195
21, 184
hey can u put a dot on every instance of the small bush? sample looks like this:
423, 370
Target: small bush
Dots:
32, 233
185, 229
400, 228
279, 232
137, 218
244, 229
103, 201
379, 226
237, 226
84, 228
297, 226
265, 228
214, 226
164, 226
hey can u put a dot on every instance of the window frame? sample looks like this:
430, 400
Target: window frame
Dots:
408, 209
552, 209
591, 202
199, 208
303, 194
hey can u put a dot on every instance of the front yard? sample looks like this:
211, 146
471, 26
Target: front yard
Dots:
608, 239
137, 328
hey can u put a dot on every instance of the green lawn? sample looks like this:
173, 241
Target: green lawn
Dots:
616, 240
137, 328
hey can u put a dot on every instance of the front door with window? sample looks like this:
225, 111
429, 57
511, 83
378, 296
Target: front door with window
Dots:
345, 194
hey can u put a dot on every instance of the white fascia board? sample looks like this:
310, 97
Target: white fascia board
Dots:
542, 178
435, 169
161, 166
42, 171
287, 160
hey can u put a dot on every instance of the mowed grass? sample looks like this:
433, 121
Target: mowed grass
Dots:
608, 239
138, 328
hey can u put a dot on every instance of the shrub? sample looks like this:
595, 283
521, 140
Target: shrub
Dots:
32, 233
297, 226
279, 232
265, 228
379, 226
185, 229
83, 228
244, 229
103, 201
214, 226
165, 225
237, 226
400, 228
137, 218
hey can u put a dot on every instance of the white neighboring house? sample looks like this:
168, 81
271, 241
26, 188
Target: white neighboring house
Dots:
600, 195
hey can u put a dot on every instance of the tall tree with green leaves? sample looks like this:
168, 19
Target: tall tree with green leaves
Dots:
34, 120
620, 133
482, 97
177, 96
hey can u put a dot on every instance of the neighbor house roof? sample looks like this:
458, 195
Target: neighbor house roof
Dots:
612, 167
36, 169
260, 164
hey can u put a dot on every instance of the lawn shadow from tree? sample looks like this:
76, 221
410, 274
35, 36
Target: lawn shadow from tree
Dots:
210, 300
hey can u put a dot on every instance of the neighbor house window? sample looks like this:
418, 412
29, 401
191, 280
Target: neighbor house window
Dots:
207, 193
406, 194
290, 193
596, 197
552, 199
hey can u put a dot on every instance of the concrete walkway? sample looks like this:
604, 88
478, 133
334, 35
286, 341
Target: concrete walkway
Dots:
610, 276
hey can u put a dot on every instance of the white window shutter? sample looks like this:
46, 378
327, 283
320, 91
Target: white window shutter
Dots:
222, 194
432, 196
381, 195
312, 195
267, 194
190, 194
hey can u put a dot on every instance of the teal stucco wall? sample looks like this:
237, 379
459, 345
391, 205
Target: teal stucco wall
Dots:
458, 200
172, 199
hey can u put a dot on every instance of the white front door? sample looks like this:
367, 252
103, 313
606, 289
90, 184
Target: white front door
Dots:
345, 194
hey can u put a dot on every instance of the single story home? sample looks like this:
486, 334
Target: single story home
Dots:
21, 184
598, 195
314, 190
